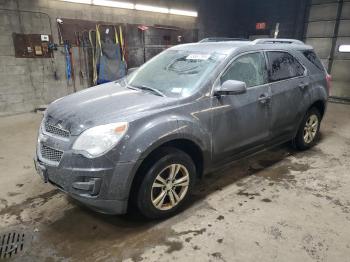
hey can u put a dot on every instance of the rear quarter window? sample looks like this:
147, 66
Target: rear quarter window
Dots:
283, 66
312, 57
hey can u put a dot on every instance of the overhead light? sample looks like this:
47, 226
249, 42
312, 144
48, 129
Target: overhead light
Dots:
88, 2
183, 12
150, 8
344, 48
116, 4
141, 7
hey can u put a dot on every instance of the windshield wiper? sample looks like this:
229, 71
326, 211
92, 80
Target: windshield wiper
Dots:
147, 88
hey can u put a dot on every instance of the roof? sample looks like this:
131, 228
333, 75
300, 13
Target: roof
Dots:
228, 47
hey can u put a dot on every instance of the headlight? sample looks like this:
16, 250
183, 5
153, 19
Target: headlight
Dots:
99, 139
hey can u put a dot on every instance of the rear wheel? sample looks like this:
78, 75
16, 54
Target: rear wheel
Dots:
167, 184
309, 130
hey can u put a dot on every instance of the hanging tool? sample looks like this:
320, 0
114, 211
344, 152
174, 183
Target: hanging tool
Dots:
122, 49
122, 44
85, 44
92, 34
143, 28
78, 43
68, 62
277, 30
71, 55
59, 24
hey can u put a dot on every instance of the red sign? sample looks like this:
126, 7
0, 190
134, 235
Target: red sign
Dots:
142, 27
260, 26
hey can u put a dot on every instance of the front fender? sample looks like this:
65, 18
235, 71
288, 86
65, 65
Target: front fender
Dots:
149, 136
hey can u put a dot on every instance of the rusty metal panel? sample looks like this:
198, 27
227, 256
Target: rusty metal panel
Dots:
31, 46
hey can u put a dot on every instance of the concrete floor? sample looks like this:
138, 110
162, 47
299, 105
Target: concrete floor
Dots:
279, 205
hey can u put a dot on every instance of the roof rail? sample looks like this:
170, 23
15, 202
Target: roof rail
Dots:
277, 41
221, 39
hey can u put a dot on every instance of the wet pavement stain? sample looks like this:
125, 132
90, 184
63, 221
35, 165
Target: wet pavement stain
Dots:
12, 194
261, 164
173, 246
277, 174
188, 239
345, 207
247, 194
220, 240
221, 217
194, 232
315, 248
39, 200
3, 202
116, 237
218, 255
275, 232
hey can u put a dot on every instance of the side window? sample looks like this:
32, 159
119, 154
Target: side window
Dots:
249, 68
283, 66
312, 57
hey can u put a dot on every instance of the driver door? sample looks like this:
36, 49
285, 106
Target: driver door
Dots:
241, 121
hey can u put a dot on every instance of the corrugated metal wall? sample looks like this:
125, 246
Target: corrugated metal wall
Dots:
328, 27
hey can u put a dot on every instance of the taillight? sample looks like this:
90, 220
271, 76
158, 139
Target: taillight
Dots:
329, 83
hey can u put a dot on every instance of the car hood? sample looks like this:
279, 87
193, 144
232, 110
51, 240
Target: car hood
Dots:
101, 104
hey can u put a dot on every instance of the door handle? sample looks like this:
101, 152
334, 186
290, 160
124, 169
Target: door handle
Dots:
263, 99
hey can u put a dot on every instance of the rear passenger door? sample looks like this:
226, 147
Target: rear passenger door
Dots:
289, 82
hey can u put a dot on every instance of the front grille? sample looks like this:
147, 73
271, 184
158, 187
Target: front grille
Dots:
50, 154
52, 129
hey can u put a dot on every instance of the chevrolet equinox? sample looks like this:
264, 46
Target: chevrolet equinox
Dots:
144, 140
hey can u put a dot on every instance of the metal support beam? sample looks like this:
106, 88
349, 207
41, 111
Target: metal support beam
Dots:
335, 35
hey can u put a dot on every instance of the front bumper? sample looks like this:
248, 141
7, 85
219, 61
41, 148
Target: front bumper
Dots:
105, 190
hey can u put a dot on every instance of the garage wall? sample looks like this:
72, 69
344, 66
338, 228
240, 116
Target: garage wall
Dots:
28, 83
329, 26
290, 14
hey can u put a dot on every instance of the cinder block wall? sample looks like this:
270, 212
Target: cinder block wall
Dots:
28, 83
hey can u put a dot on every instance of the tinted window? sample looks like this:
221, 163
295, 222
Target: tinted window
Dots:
283, 66
312, 57
249, 68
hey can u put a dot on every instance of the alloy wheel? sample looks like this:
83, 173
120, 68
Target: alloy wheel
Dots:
170, 186
310, 129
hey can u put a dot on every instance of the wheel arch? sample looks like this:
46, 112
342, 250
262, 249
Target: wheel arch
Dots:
192, 148
320, 105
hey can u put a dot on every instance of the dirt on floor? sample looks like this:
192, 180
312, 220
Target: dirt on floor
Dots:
278, 205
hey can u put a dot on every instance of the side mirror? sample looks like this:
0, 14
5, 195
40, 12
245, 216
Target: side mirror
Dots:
231, 87
131, 70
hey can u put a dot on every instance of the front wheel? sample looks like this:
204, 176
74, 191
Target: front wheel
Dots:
309, 130
166, 185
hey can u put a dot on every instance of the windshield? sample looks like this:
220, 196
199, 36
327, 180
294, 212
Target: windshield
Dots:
175, 73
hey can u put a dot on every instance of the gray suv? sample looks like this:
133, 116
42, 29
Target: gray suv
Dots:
144, 140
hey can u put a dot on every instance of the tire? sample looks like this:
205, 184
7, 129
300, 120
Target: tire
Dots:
157, 197
309, 130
